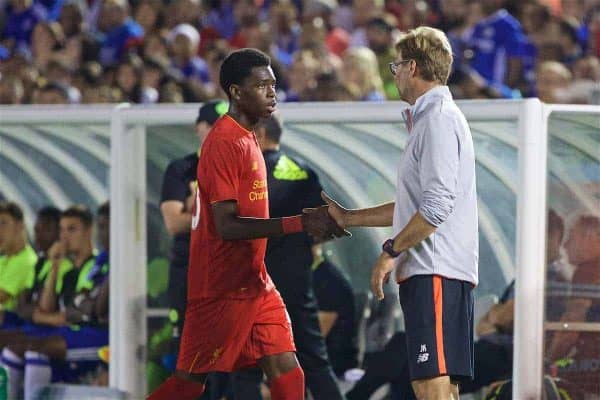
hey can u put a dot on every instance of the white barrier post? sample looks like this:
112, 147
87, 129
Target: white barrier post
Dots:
531, 246
127, 257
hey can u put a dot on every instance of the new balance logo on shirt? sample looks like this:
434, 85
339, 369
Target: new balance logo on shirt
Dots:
423, 355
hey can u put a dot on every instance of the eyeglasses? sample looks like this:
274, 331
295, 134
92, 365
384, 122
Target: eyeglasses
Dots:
394, 65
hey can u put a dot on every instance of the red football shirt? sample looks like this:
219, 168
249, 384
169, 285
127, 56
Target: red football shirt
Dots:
231, 167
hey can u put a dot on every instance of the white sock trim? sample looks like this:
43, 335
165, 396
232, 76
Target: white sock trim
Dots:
35, 356
12, 358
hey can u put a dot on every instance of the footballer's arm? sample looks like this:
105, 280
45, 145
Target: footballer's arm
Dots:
230, 226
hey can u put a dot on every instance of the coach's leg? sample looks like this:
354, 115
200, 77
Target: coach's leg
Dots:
181, 385
286, 378
439, 388
455, 389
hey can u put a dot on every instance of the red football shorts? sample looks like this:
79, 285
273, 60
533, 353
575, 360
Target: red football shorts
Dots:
229, 334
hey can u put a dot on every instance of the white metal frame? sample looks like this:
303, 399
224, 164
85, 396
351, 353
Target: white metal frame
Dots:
531, 200
128, 214
531, 244
531, 250
128, 252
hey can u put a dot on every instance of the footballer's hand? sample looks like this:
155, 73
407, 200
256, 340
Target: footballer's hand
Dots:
380, 274
318, 223
337, 212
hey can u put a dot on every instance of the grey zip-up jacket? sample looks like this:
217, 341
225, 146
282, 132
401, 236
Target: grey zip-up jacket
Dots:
436, 177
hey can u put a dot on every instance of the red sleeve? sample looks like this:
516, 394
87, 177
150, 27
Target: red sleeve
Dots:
223, 172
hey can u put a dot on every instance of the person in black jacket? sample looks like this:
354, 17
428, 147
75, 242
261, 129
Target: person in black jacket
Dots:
337, 312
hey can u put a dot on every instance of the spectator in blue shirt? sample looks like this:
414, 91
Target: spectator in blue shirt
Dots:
221, 17
50, 9
21, 18
497, 44
120, 32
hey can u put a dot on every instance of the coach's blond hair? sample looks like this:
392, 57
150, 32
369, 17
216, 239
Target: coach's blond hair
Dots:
430, 49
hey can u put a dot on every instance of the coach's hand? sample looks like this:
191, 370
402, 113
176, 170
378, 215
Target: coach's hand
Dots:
318, 223
380, 274
337, 212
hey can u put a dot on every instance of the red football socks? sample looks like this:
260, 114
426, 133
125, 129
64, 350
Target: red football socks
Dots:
289, 386
177, 388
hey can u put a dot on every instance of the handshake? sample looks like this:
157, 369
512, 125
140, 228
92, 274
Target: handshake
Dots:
320, 224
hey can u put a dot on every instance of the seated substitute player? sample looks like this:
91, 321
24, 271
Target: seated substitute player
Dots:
17, 258
67, 300
235, 318
45, 234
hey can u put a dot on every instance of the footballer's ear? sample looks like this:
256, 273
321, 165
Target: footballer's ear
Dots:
235, 91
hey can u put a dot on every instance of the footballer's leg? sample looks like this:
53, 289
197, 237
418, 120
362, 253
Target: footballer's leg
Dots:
272, 343
181, 385
286, 378
212, 338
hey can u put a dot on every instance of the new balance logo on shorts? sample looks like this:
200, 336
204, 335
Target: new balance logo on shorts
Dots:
423, 355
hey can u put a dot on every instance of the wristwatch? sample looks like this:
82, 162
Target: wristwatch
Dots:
388, 247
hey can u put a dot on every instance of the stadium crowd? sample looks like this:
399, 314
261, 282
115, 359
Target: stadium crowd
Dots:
153, 51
